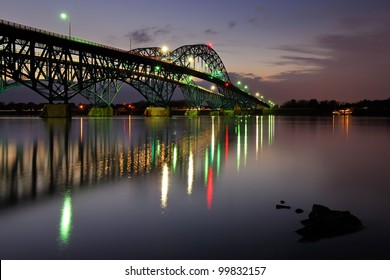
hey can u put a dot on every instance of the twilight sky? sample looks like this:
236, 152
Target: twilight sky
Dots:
285, 49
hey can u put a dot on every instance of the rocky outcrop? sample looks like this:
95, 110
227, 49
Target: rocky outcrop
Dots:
324, 222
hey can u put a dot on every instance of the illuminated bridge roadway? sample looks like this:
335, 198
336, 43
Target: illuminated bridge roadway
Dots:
60, 67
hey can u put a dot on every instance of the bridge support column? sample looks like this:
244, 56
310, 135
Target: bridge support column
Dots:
101, 112
192, 113
229, 113
56, 111
157, 112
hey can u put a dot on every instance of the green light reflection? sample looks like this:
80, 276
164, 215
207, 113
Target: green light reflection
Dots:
271, 129
245, 140
212, 140
174, 159
66, 224
238, 146
218, 159
257, 137
261, 134
206, 165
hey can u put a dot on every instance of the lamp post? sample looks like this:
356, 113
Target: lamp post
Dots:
129, 35
65, 16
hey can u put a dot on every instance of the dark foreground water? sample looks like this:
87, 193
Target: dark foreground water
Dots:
201, 188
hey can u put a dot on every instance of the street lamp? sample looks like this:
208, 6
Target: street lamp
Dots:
65, 16
129, 35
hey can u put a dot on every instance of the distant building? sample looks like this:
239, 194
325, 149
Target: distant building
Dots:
347, 111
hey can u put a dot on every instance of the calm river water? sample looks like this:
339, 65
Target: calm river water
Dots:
181, 188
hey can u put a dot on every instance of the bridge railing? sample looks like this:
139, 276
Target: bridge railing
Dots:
25, 27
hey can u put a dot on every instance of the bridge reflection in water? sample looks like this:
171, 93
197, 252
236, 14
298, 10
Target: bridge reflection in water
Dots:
43, 157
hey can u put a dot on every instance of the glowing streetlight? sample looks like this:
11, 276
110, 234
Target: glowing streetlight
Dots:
65, 16
164, 49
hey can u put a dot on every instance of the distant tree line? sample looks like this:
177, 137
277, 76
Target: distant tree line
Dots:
325, 107
293, 107
333, 104
31, 108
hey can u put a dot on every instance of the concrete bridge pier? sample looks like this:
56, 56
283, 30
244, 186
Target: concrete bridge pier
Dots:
157, 112
229, 113
223, 112
193, 112
56, 111
103, 112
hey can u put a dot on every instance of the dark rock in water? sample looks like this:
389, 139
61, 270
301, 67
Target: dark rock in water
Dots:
324, 222
298, 211
282, 202
278, 206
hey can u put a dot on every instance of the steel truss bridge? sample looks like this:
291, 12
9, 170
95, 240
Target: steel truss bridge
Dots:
60, 67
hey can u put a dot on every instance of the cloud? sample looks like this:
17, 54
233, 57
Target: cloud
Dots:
252, 21
260, 8
149, 34
211, 31
141, 36
345, 67
232, 24
302, 49
303, 61
353, 23
252, 80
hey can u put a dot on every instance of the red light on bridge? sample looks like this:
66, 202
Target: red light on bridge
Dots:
210, 45
227, 84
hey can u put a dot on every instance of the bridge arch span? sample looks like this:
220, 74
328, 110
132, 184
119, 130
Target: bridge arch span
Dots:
207, 54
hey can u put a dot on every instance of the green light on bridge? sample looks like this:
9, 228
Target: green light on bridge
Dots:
64, 16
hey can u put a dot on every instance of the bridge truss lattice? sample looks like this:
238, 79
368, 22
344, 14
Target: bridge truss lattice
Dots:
59, 67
